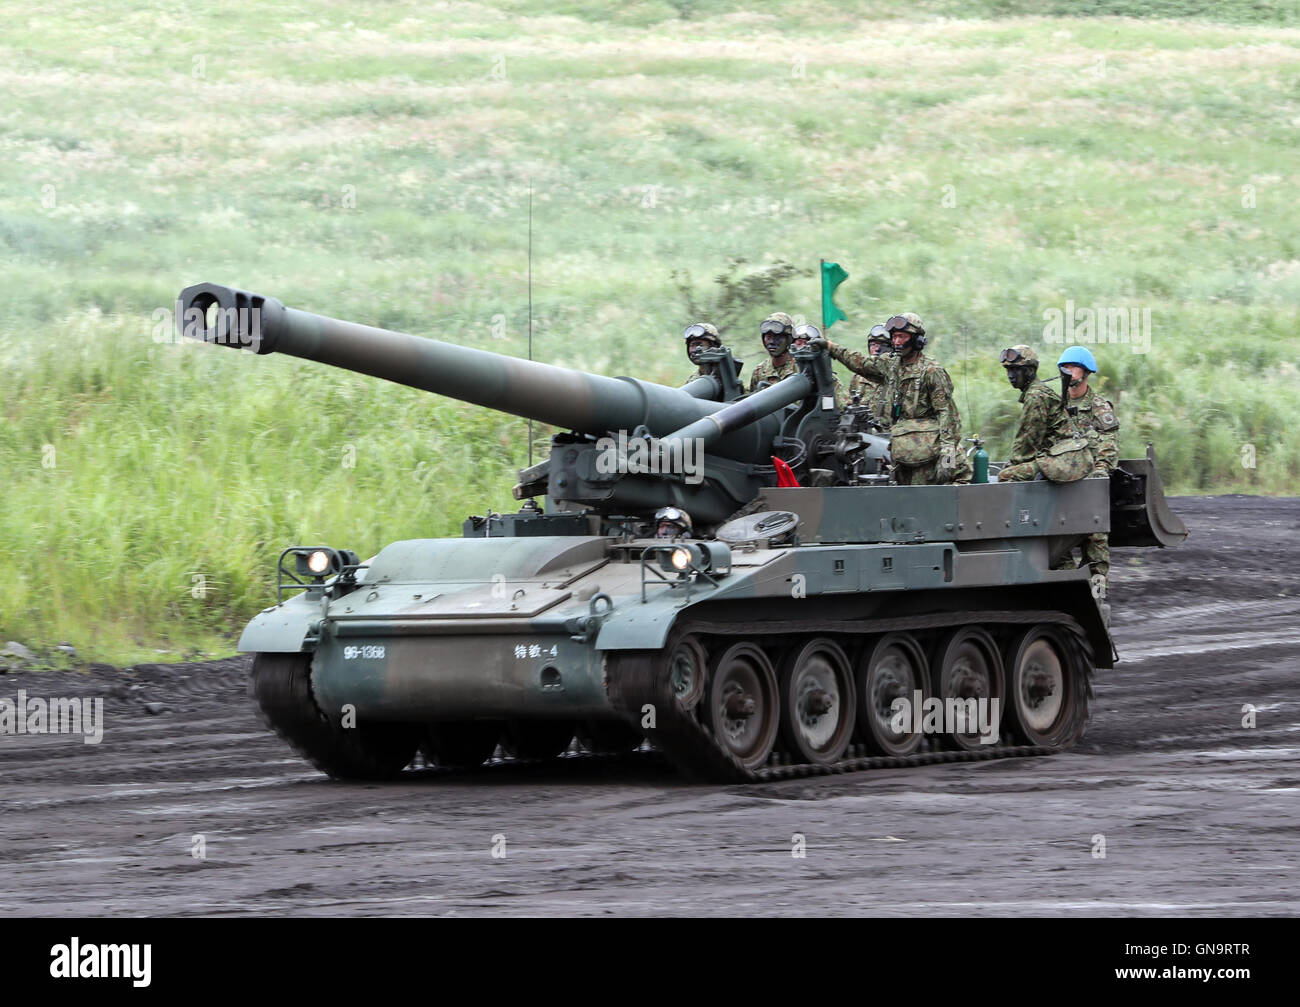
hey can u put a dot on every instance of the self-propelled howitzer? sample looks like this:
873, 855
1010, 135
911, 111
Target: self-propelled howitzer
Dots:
803, 628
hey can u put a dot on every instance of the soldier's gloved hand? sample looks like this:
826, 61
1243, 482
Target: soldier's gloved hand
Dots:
819, 344
1098, 474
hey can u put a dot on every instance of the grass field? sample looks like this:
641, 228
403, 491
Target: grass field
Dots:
974, 162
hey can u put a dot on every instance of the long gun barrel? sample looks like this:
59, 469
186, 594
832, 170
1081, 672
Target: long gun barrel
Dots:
711, 428
574, 400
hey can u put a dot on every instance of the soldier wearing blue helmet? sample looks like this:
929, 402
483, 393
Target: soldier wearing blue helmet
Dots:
1095, 419
1080, 355
1047, 445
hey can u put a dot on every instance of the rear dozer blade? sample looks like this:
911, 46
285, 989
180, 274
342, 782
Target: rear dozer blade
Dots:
1139, 513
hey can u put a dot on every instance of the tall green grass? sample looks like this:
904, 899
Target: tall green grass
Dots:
961, 158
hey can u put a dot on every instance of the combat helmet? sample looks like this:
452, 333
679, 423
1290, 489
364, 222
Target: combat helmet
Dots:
1080, 355
671, 520
803, 334
909, 322
1021, 363
779, 327
697, 331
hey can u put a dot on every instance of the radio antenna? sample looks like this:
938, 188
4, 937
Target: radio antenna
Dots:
965, 380
530, 307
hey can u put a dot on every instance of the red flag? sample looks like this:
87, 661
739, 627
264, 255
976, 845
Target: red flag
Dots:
784, 476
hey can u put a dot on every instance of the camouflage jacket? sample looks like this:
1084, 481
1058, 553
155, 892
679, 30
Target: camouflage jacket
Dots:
699, 372
1096, 420
917, 390
769, 372
1042, 423
873, 395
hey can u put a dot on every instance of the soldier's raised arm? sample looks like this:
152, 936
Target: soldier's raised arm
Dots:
860, 363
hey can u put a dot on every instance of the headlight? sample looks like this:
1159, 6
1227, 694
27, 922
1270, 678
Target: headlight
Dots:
684, 557
712, 559
320, 561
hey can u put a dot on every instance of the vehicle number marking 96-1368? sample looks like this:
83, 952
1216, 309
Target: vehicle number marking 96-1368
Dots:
369, 650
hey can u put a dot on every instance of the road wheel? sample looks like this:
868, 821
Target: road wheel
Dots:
817, 706
743, 709
1047, 685
893, 669
687, 671
968, 666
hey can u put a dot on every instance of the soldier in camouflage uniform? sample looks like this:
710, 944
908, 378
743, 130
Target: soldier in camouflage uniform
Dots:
803, 335
1043, 422
700, 337
917, 389
1095, 419
872, 390
776, 330
672, 522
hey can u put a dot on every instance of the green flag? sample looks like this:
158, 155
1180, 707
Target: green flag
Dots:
832, 276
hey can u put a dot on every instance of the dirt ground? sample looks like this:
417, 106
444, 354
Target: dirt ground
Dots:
1198, 815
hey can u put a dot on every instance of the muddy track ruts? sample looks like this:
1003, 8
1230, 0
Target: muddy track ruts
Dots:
1199, 812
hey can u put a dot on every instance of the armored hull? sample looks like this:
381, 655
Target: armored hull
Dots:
806, 629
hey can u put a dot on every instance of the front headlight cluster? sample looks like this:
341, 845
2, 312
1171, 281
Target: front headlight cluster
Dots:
320, 562
700, 557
